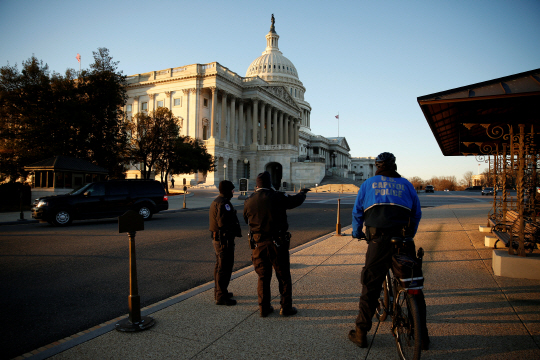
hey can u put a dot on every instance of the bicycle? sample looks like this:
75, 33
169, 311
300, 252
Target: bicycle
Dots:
401, 295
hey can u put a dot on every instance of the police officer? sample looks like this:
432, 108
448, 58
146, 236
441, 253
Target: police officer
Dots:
224, 227
388, 205
266, 213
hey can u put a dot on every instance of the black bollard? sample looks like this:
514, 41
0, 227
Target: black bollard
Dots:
130, 222
185, 190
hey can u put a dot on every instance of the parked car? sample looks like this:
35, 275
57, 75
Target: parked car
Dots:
488, 191
430, 188
102, 200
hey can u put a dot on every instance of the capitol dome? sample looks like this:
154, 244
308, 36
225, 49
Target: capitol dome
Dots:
272, 66
278, 71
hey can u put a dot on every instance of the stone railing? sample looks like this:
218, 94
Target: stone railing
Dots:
313, 159
277, 147
188, 70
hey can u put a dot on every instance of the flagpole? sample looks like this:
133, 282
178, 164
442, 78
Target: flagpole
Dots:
338, 124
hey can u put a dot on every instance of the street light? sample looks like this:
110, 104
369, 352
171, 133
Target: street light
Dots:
246, 162
224, 171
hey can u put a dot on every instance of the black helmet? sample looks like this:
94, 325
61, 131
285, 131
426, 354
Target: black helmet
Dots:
385, 158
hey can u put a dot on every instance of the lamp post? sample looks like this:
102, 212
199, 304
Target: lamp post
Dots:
246, 162
224, 171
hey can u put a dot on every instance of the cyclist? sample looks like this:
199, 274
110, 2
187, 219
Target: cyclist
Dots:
387, 204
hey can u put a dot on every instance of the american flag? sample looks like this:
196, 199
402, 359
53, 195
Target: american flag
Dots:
337, 117
78, 57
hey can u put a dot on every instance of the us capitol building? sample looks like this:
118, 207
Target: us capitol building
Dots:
249, 124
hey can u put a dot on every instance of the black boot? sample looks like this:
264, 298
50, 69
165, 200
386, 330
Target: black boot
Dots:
264, 312
359, 337
288, 312
226, 301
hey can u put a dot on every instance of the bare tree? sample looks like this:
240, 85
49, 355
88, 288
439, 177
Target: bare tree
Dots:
416, 182
468, 178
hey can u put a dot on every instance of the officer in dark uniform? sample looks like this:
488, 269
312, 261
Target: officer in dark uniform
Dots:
388, 205
266, 213
224, 227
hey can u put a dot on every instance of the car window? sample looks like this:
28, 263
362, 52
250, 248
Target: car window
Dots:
80, 190
98, 189
118, 189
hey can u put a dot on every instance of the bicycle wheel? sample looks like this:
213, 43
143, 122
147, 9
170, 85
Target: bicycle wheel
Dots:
407, 327
384, 300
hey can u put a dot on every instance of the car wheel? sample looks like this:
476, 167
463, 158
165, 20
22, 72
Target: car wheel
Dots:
145, 212
62, 218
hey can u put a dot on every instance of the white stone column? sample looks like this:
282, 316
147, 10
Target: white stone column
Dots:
193, 121
269, 125
223, 131
188, 109
151, 101
286, 128
291, 130
296, 132
275, 131
249, 123
232, 131
213, 114
168, 95
280, 128
135, 106
255, 123
241, 125
262, 131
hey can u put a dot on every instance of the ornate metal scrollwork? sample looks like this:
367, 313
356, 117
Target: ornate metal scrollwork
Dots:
494, 131
488, 148
481, 158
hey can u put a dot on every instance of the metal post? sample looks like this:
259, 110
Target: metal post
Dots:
520, 188
505, 192
134, 298
338, 225
134, 322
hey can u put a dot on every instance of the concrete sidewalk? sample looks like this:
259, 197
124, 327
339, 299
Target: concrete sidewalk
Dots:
472, 314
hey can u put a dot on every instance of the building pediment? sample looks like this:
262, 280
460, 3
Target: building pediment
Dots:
340, 141
282, 93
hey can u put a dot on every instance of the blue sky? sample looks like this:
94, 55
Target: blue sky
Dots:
367, 60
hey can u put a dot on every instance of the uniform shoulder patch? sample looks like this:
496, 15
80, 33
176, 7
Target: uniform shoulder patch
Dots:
227, 207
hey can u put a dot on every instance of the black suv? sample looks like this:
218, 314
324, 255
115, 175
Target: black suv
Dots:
102, 200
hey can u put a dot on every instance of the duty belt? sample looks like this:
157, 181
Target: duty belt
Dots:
262, 237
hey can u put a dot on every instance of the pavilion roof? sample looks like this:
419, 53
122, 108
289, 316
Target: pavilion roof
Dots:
465, 119
65, 163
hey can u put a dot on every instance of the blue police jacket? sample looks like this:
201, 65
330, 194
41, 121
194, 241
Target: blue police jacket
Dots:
384, 202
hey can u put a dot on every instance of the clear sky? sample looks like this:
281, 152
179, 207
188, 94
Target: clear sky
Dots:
366, 60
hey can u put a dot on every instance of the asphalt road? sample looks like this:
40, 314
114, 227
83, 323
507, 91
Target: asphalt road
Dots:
55, 282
